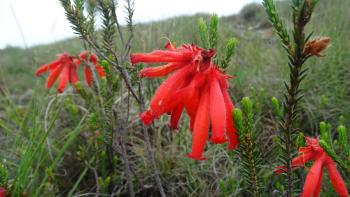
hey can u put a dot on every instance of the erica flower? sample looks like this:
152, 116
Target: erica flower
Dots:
93, 60
195, 85
64, 68
312, 186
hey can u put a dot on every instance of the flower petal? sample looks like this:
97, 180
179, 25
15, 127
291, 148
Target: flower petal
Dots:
230, 128
201, 127
64, 78
168, 87
73, 76
160, 71
92, 57
53, 76
217, 112
161, 56
146, 117
47, 67
318, 186
336, 179
170, 46
176, 115
88, 76
312, 178
100, 71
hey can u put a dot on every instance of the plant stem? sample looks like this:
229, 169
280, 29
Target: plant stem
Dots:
121, 143
292, 97
252, 164
150, 156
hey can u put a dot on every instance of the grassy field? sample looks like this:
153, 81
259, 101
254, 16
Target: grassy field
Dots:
260, 67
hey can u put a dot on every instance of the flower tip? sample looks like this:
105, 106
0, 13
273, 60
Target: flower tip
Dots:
232, 146
280, 169
218, 140
196, 157
146, 118
133, 59
172, 127
60, 90
141, 74
170, 46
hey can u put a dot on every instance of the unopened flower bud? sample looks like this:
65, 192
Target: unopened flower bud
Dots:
317, 46
325, 130
300, 142
238, 117
276, 106
343, 139
247, 106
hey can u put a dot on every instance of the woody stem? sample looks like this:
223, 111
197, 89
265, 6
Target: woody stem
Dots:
292, 97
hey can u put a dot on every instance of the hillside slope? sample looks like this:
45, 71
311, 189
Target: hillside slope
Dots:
258, 62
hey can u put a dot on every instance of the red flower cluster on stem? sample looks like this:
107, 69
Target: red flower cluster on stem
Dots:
197, 86
312, 186
65, 68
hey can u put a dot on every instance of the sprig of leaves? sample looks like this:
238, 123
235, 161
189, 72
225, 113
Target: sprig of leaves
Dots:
249, 154
330, 146
302, 11
210, 36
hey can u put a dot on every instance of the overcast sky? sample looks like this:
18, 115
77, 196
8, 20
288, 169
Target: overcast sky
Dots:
43, 21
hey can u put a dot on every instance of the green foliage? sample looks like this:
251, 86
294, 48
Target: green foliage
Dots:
213, 31
277, 23
325, 131
300, 140
4, 175
248, 151
277, 107
332, 147
209, 38
302, 11
343, 140
230, 47
203, 32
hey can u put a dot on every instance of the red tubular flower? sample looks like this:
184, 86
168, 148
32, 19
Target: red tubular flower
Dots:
64, 68
312, 186
2, 192
93, 60
196, 85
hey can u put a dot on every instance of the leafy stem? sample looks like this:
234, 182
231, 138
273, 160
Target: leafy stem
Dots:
247, 149
302, 10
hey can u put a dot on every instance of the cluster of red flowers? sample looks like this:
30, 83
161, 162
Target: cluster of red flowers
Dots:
314, 152
196, 85
65, 68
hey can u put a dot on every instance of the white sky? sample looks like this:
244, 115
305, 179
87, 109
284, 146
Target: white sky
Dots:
43, 21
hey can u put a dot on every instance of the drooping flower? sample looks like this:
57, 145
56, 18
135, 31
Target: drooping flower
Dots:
312, 186
195, 85
93, 60
64, 68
